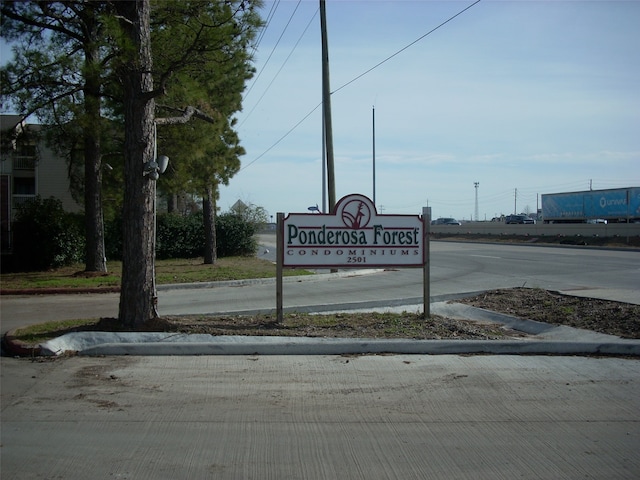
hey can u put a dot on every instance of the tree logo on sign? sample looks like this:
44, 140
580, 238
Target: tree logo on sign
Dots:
356, 213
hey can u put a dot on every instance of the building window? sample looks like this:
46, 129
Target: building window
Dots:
24, 186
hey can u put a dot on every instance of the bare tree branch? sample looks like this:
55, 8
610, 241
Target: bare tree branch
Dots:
187, 114
35, 22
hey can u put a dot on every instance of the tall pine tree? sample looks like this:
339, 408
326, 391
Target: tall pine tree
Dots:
77, 61
190, 35
206, 155
59, 72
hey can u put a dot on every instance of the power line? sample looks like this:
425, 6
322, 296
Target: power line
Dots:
274, 48
280, 139
279, 70
353, 80
406, 47
272, 11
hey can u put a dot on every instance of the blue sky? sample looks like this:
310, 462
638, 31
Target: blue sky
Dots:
524, 97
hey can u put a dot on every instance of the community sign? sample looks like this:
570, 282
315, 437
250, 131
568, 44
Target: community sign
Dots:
352, 236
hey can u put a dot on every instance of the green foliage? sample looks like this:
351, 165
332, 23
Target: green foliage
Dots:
113, 237
235, 235
204, 154
34, 334
179, 236
67, 67
183, 236
45, 236
251, 213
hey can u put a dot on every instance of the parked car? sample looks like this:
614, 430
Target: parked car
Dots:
446, 221
518, 219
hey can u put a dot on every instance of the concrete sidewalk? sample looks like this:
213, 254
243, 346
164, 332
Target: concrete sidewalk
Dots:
542, 339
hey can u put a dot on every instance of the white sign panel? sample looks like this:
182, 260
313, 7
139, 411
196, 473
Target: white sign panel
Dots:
353, 236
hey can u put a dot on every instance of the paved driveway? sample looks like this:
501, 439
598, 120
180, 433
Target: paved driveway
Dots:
320, 417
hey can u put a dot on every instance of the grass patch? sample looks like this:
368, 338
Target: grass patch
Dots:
65, 277
167, 271
42, 332
340, 325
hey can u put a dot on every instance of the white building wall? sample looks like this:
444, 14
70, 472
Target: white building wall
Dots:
52, 179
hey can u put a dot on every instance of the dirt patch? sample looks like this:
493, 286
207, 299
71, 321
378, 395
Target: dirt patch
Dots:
85, 274
347, 325
603, 316
613, 318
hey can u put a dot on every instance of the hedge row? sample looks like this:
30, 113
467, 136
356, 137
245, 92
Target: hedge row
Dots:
45, 236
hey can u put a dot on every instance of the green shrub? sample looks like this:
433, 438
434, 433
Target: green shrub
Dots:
113, 237
235, 236
179, 236
45, 236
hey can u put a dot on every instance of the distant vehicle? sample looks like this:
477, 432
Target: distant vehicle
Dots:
446, 221
518, 219
596, 220
616, 205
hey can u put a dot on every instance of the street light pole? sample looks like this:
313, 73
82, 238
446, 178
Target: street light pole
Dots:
476, 185
153, 169
104, 251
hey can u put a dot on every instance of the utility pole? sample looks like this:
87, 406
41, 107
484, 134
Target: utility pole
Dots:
515, 202
324, 168
373, 118
476, 185
326, 108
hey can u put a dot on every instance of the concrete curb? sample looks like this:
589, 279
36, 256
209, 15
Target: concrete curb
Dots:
317, 277
16, 348
548, 340
58, 291
365, 346
164, 343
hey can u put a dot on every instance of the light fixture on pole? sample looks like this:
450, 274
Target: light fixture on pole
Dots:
155, 167
158, 165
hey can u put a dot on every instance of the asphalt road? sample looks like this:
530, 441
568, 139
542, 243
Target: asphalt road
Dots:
456, 268
318, 417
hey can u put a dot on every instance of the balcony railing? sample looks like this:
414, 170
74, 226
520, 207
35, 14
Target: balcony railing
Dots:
21, 199
24, 162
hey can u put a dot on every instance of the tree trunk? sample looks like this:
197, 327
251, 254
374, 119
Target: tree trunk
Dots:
172, 203
95, 255
208, 218
138, 294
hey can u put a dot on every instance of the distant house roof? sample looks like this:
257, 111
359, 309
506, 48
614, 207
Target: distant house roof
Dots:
10, 122
239, 205
11, 126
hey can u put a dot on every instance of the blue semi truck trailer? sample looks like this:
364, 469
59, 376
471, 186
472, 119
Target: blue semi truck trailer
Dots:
614, 205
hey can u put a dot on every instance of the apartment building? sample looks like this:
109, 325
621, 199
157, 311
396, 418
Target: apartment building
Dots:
28, 167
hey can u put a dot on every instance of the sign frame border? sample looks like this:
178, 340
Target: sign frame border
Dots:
425, 254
